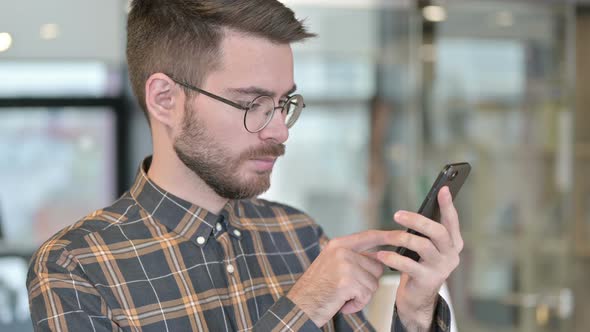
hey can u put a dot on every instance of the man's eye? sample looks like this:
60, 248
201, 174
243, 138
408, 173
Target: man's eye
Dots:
255, 106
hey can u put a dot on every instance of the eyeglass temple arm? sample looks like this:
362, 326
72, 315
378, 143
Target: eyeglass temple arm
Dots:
221, 99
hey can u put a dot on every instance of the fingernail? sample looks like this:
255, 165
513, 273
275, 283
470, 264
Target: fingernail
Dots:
399, 215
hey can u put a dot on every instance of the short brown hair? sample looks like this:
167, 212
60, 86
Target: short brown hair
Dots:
182, 37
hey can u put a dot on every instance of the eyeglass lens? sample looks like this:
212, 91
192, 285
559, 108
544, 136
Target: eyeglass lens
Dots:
261, 111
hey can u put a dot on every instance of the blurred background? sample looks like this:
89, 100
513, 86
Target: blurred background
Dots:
395, 89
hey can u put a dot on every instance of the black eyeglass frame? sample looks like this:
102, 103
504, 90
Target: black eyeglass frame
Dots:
246, 108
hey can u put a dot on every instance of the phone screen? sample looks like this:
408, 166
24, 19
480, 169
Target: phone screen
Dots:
452, 176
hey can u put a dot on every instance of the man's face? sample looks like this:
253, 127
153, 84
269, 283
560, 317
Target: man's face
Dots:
213, 142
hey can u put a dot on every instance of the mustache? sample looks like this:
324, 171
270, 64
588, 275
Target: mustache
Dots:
274, 150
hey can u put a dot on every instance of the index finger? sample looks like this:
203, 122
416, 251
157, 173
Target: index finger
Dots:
364, 241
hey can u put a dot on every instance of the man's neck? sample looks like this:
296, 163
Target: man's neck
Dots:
168, 172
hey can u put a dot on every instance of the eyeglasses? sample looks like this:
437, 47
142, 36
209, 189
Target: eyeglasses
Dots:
259, 111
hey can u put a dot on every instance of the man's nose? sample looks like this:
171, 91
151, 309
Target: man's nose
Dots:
276, 129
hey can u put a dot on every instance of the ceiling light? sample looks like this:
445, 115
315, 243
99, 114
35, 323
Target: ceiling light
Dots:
434, 13
49, 31
5, 41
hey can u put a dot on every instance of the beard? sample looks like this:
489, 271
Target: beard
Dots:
215, 165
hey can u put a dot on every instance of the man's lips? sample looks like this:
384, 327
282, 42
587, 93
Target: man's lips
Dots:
267, 159
264, 163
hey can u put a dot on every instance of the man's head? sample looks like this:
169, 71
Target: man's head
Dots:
183, 37
232, 48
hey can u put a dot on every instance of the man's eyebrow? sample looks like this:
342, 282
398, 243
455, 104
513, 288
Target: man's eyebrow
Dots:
257, 91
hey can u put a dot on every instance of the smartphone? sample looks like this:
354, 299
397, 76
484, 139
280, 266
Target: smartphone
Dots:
452, 176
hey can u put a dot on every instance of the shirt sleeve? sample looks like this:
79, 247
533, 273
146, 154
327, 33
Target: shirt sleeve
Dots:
61, 298
440, 323
284, 315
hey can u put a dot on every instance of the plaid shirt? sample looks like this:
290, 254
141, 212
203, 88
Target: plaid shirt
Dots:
154, 262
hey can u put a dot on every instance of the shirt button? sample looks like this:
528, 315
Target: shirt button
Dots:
218, 227
237, 233
230, 268
201, 240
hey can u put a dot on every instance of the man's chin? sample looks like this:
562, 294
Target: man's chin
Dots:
249, 189
258, 188
263, 174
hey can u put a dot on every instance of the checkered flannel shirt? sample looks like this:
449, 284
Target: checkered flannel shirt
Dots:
154, 262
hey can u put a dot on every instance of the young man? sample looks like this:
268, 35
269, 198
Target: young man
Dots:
189, 247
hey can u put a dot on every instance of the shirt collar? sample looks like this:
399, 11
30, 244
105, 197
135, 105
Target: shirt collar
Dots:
178, 215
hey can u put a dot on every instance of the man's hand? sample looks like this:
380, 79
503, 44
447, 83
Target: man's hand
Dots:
346, 274
417, 294
341, 278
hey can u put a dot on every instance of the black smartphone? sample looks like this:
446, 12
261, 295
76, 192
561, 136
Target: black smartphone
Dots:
453, 176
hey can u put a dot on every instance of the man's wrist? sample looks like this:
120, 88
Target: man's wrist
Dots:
306, 306
416, 318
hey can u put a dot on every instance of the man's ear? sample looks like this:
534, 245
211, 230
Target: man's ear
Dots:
162, 98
